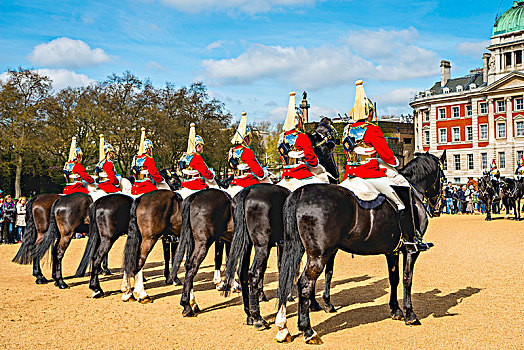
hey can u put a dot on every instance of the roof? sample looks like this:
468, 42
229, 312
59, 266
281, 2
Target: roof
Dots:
465, 82
510, 21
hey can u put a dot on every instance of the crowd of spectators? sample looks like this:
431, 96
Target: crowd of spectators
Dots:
12, 219
463, 199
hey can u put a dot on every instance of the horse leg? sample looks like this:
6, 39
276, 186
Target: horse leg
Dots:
394, 278
409, 261
256, 274
58, 253
37, 272
235, 288
306, 289
167, 257
327, 284
488, 205
244, 282
101, 252
219, 252
105, 265
139, 291
126, 288
174, 246
188, 299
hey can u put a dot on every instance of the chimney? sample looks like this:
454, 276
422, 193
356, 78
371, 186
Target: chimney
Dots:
485, 60
445, 72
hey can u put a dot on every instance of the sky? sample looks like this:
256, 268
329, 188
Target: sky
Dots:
251, 54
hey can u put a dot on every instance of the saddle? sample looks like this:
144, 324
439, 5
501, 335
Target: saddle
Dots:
366, 195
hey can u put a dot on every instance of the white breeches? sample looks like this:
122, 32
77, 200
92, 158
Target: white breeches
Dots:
383, 185
232, 190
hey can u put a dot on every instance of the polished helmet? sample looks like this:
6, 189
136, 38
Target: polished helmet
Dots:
77, 153
108, 148
148, 145
199, 140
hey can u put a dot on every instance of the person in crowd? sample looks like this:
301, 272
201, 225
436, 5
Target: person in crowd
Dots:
20, 219
454, 196
448, 197
461, 200
9, 214
469, 199
2, 237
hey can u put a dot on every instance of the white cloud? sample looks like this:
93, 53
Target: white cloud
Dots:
66, 52
155, 66
243, 6
396, 97
63, 78
473, 49
214, 45
324, 66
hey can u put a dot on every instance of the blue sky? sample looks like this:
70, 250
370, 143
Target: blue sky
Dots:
250, 54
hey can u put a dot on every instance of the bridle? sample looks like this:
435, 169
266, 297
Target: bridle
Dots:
432, 209
330, 139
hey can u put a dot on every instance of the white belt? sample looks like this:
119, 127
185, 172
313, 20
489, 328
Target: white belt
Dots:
190, 172
293, 166
243, 167
295, 154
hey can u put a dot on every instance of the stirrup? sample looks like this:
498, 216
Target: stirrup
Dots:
419, 245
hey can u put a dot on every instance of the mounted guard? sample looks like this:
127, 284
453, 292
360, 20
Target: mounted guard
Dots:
301, 166
366, 151
197, 175
519, 173
107, 178
494, 175
75, 172
144, 168
242, 160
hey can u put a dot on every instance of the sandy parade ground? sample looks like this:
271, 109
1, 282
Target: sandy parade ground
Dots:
468, 293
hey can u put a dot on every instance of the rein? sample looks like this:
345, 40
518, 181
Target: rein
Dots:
430, 208
331, 137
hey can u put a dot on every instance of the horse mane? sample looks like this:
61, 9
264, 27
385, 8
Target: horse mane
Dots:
420, 167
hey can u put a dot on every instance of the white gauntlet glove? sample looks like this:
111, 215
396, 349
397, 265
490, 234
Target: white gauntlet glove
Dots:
317, 170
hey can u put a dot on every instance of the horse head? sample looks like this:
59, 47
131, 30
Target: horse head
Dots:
171, 178
324, 139
426, 174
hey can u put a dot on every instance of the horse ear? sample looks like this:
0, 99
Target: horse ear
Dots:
443, 157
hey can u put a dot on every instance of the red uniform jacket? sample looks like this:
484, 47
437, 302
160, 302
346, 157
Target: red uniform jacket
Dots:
249, 158
109, 186
197, 163
301, 171
78, 186
146, 185
370, 170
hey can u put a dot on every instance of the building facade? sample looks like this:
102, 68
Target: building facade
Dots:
478, 118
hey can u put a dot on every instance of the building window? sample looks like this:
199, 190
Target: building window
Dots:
519, 104
518, 57
457, 180
501, 130
470, 161
483, 131
443, 135
469, 133
457, 161
456, 134
426, 116
483, 108
502, 160
442, 113
445, 164
520, 128
484, 157
501, 106
445, 90
426, 137
469, 110
455, 111
508, 59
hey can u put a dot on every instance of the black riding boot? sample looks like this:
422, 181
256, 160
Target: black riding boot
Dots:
412, 240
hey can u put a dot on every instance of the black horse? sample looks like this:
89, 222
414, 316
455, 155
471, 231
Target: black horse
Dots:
259, 224
488, 193
206, 218
38, 215
511, 192
321, 219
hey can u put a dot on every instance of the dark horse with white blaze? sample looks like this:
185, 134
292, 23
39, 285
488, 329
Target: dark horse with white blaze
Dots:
321, 219
259, 225
38, 215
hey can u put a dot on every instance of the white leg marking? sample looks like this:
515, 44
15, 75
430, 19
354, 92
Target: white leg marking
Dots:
281, 323
139, 285
217, 279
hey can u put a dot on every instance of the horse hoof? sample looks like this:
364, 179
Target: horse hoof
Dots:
61, 284
314, 340
283, 336
41, 280
189, 313
98, 294
261, 325
330, 309
196, 309
250, 321
397, 315
236, 289
315, 306
106, 272
412, 320
145, 300
177, 282
128, 297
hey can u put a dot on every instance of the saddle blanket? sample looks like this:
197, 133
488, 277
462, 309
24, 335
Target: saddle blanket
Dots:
292, 184
367, 196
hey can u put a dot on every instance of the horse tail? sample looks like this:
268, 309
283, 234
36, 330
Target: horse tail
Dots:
28, 241
134, 239
187, 242
50, 236
240, 243
92, 243
293, 248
